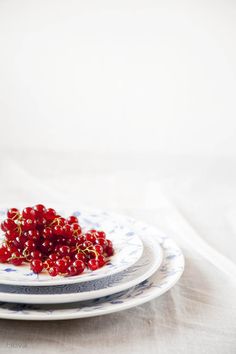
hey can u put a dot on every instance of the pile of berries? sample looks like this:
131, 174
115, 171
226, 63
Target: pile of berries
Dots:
50, 242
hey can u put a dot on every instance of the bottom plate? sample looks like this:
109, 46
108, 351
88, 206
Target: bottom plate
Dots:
167, 275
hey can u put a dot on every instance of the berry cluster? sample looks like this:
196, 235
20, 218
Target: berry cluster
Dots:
48, 241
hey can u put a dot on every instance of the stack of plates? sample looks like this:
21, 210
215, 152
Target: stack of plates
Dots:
146, 264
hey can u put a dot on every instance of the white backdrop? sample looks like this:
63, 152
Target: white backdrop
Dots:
114, 76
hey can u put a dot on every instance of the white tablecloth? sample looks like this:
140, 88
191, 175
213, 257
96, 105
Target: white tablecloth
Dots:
193, 200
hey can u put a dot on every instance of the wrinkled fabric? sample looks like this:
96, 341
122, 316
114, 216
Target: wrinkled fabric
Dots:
198, 315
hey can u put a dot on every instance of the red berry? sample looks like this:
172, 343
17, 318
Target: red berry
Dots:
41, 222
47, 233
62, 265
28, 224
93, 264
53, 271
36, 266
87, 244
67, 230
46, 246
98, 249
80, 240
101, 260
90, 237
72, 220
13, 213
48, 263
33, 235
61, 221
30, 245
79, 265
8, 224
40, 210
102, 242
58, 230
36, 254
109, 251
11, 235
72, 271
80, 256
16, 258
101, 234
28, 213
4, 255
18, 241
76, 229
67, 259
64, 250
53, 257
50, 214
71, 241
109, 243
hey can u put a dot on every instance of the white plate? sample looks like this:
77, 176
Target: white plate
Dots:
141, 270
128, 249
166, 277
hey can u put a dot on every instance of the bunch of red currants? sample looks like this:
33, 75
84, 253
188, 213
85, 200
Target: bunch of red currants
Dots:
49, 242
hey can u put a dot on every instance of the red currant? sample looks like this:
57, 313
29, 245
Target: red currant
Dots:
16, 258
28, 213
8, 224
36, 265
109, 251
76, 229
62, 265
72, 271
93, 264
53, 271
102, 242
30, 245
90, 237
36, 254
64, 250
67, 230
53, 257
80, 256
101, 234
13, 213
47, 233
4, 255
72, 220
58, 230
47, 246
40, 210
79, 265
11, 235
28, 224
48, 263
33, 235
101, 260
98, 249
50, 214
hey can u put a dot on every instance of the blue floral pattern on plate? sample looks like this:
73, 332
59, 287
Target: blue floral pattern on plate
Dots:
160, 282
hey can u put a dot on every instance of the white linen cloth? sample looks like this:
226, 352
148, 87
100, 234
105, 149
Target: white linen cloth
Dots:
198, 315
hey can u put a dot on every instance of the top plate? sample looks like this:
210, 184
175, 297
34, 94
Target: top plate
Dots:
128, 249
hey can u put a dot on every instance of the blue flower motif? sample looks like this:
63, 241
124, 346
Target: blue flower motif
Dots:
9, 270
